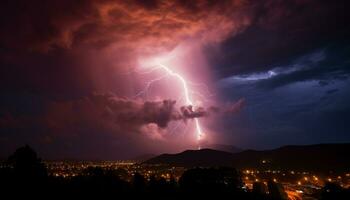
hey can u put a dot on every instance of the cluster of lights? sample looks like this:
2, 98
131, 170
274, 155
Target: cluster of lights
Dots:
306, 180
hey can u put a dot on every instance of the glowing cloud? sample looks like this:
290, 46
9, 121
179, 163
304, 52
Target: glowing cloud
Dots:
167, 66
187, 97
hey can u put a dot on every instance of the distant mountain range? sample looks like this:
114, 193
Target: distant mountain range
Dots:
320, 157
219, 147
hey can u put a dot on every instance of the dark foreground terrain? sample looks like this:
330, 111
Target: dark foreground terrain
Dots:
23, 174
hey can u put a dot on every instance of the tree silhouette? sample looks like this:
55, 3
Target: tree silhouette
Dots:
26, 164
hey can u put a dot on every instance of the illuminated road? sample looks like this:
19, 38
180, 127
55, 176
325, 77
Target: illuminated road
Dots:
292, 195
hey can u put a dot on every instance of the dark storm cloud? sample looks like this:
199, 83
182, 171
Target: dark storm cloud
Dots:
125, 113
324, 66
133, 114
104, 109
281, 32
188, 112
47, 25
334, 65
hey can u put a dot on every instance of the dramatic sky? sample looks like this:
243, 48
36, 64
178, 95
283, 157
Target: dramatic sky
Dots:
105, 79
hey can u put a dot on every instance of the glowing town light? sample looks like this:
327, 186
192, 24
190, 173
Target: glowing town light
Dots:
188, 100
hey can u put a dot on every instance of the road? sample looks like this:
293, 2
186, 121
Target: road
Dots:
292, 195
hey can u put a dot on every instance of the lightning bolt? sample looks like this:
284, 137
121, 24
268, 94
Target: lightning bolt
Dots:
187, 98
186, 92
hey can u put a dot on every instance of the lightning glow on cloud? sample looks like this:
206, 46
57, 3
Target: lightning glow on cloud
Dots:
187, 98
186, 93
192, 94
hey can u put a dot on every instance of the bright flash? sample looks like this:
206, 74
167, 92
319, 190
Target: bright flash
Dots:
188, 100
158, 64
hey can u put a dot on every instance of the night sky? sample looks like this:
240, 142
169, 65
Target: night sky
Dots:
78, 78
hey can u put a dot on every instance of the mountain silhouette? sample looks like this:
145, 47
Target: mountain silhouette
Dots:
319, 157
203, 157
